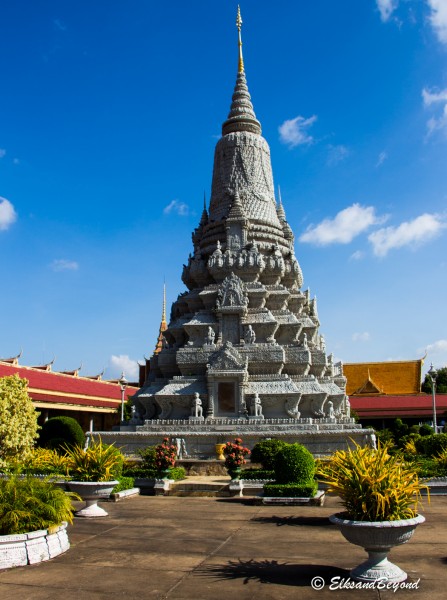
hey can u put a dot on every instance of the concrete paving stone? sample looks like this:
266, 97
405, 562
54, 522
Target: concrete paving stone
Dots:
205, 549
261, 578
98, 579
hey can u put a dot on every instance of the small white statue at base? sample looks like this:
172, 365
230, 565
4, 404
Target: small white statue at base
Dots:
181, 447
330, 410
197, 408
348, 408
256, 406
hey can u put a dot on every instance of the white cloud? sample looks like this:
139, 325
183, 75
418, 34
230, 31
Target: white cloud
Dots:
2, 152
436, 353
361, 337
435, 98
337, 154
7, 214
347, 224
175, 206
409, 233
381, 158
438, 18
386, 8
439, 124
357, 255
123, 363
293, 132
63, 264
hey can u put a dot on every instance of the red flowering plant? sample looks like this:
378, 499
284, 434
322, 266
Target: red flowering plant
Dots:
165, 455
235, 454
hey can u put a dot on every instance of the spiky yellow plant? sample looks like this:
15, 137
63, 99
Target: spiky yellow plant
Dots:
410, 448
98, 462
373, 484
441, 458
46, 460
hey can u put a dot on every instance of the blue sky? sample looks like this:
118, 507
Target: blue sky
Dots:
109, 114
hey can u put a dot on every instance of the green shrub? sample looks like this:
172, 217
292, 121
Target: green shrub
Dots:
432, 445
294, 464
265, 452
29, 504
177, 473
427, 468
411, 437
291, 490
385, 436
148, 456
425, 429
140, 472
257, 474
58, 432
125, 483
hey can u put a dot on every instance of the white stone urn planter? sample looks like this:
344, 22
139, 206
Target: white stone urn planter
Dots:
377, 538
92, 492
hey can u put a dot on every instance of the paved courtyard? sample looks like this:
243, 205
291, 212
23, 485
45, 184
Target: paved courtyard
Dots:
220, 549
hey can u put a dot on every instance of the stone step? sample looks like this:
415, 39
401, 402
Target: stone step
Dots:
200, 488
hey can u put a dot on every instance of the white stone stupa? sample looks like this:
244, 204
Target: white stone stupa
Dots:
242, 354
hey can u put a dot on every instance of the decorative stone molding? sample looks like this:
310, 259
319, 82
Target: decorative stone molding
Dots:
30, 548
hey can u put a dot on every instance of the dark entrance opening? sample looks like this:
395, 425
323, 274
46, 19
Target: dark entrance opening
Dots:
227, 398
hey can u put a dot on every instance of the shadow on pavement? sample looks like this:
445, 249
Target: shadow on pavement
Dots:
295, 521
271, 571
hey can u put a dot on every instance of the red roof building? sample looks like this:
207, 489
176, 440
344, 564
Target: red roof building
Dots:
383, 391
94, 403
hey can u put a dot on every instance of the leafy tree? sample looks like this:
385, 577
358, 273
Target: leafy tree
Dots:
18, 420
441, 382
127, 410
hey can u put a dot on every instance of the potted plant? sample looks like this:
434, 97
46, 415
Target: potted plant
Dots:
33, 516
380, 493
165, 457
93, 471
235, 454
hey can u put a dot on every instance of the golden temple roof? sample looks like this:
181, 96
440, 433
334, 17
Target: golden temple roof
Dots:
383, 378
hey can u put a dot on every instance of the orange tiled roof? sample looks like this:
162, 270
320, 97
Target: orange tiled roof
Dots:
391, 377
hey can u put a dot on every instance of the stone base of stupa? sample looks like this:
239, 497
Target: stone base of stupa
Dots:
321, 437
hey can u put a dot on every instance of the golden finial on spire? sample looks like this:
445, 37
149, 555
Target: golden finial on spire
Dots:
163, 314
239, 27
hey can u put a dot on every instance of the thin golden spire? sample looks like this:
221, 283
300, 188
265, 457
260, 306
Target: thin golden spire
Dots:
239, 27
163, 314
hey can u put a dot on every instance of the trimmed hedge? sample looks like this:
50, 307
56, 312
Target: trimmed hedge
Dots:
257, 474
290, 490
294, 464
58, 432
265, 452
125, 483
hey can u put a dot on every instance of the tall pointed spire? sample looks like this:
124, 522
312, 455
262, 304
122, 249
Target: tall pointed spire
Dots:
163, 324
239, 27
163, 313
242, 116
